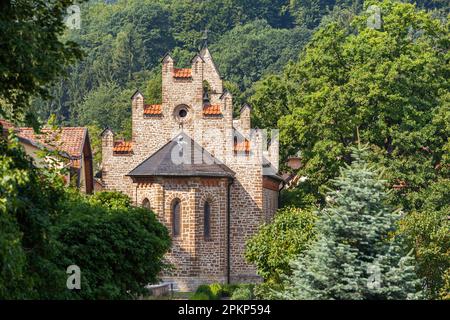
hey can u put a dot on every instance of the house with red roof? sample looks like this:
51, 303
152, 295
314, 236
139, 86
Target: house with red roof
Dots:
72, 144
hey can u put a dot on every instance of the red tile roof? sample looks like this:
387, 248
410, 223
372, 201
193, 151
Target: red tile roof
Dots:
152, 109
210, 110
242, 146
182, 73
122, 147
6, 124
67, 139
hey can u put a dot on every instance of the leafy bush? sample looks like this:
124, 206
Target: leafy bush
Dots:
199, 296
111, 199
427, 232
45, 227
242, 293
119, 251
228, 289
277, 243
216, 290
206, 289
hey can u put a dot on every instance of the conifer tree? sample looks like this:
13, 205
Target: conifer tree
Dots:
356, 255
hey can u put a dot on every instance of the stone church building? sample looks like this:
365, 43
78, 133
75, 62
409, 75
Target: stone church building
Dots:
207, 175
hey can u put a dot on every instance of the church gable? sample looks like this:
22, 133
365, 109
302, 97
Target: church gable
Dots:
182, 156
199, 169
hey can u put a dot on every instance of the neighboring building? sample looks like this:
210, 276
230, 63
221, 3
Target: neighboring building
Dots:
202, 172
71, 144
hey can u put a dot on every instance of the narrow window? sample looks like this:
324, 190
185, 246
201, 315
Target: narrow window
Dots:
176, 218
206, 93
207, 220
146, 204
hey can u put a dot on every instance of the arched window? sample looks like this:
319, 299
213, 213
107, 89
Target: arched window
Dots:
207, 220
146, 204
176, 218
206, 93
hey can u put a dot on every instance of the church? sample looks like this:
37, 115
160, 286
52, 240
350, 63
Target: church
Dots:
209, 177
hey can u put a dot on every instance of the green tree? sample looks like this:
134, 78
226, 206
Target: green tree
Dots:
29, 201
355, 256
278, 242
119, 248
107, 106
269, 101
247, 52
390, 85
427, 232
32, 54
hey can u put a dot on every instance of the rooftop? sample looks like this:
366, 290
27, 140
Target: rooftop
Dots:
182, 156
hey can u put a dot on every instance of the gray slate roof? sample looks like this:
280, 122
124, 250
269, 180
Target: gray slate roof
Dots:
182, 156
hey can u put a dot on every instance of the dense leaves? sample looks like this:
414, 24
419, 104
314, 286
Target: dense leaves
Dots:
32, 54
46, 227
118, 248
28, 209
278, 242
355, 256
386, 87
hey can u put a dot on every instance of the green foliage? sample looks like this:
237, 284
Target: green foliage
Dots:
199, 296
278, 242
389, 85
270, 93
244, 292
355, 256
211, 291
153, 91
246, 52
119, 248
28, 207
47, 227
427, 232
228, 289
216, 291
32, 54
107, 106
111, 199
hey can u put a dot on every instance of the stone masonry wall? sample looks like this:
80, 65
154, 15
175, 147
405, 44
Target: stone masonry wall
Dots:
196, 259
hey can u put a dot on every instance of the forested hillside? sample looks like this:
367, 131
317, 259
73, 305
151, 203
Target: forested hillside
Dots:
366, 109
123, 42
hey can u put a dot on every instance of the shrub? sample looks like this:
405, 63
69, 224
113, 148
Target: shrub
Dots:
206, 289
111, 199
119, 251
199, 296
277, 243
216, 290
228, 289
242, 293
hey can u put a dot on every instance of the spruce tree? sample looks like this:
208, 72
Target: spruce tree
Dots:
356, 255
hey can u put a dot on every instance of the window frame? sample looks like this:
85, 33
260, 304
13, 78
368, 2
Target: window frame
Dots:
176, 218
